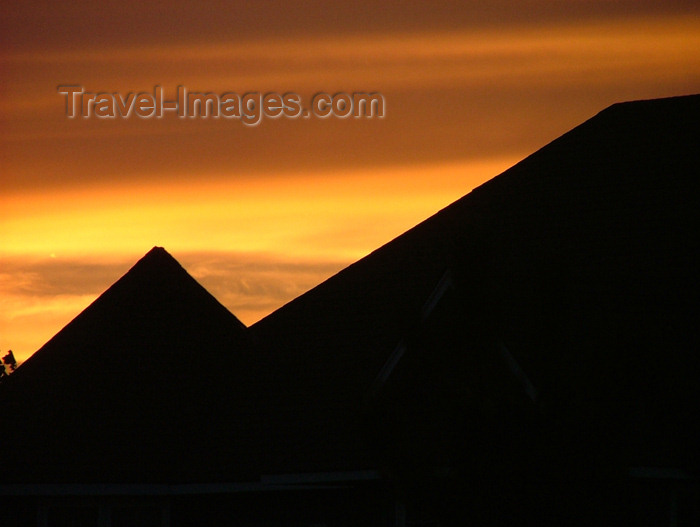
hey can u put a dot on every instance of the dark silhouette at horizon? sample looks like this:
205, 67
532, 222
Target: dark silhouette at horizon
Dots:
526, 355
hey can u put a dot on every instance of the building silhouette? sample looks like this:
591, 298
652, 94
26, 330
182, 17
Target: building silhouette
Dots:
528, 355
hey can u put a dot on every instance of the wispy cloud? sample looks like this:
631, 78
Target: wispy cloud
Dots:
252, 285
446, 90
39, 296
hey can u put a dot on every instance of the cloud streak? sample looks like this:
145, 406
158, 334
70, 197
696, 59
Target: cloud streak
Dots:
442, 89
45, 294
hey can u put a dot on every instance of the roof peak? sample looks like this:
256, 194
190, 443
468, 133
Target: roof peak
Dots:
157, 252
157, 257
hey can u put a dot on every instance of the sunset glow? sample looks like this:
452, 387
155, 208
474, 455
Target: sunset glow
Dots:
261, 214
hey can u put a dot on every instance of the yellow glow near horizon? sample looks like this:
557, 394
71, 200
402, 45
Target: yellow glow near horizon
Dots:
337, 217
269, 214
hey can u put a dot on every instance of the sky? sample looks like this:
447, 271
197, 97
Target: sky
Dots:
260, 214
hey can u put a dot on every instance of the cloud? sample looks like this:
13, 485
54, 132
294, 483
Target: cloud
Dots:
81, 23
39, 296
254, 284
452, 94
52, 277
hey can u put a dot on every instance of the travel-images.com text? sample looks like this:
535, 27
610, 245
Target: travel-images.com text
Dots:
250, 108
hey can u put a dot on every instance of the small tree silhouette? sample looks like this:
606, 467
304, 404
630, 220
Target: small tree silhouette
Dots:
9, 360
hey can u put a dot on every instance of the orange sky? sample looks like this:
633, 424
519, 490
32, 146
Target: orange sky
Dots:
261, 214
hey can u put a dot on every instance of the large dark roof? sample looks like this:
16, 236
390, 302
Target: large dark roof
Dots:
572, 273
552, 306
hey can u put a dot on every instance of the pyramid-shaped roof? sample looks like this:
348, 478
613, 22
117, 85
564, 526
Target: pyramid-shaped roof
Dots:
135, 388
